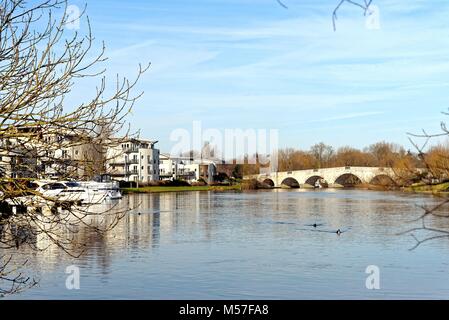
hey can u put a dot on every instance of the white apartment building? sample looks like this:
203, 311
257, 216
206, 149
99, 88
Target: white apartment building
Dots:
55, 155
34, 153
172, 168
134, 160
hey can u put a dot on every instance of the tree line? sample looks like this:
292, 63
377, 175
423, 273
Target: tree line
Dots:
321, 155
406, 163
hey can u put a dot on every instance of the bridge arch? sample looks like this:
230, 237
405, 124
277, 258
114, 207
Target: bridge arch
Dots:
313, 179
290, 182
348, 180
269, 182
383, 180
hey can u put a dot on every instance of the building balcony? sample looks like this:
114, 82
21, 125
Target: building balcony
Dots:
117, 163
131, 150
123, 162
117, 174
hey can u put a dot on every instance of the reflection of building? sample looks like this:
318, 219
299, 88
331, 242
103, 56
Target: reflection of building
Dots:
163, 217
134, 160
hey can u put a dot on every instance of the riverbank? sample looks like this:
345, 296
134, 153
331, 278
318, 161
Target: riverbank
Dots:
439, 189
159, 189
239, 185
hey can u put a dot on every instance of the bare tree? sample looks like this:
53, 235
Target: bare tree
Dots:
40, 63
12, 278
365, 6
323, 153
282, 4
435, 168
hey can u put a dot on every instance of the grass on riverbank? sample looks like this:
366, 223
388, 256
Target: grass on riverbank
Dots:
442, 188
424, 188
158, 189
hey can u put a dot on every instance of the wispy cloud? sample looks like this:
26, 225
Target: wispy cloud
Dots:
253, 63
351, 116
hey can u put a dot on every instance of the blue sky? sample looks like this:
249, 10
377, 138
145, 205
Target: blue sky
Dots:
253, 64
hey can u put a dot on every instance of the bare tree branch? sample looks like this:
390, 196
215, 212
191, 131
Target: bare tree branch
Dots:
40, 134
364, 6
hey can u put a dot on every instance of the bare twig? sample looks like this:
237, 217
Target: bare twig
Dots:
40, 63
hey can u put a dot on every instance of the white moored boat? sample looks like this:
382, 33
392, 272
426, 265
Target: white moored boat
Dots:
84, 192
62, 191
101, 191
102, 188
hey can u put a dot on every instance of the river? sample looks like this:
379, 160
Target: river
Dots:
253, 245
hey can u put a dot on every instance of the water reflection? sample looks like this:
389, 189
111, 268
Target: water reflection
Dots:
252, 245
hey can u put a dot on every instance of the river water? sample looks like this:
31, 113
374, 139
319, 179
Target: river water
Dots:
253, 245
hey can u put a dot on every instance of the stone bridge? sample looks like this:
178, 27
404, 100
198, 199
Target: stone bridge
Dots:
333, 177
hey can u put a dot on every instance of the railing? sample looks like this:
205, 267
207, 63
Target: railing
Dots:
118, 174
123, 162
130, 150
